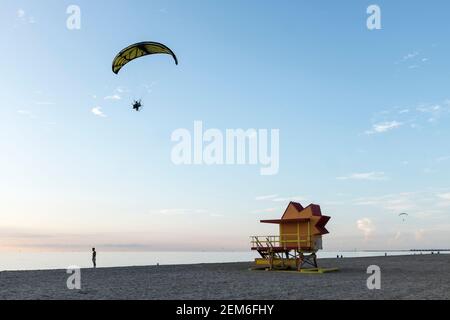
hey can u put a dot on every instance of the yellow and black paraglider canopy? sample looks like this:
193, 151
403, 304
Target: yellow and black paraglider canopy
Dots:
139, 50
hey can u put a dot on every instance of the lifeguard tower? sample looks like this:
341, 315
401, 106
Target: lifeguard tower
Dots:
300, 238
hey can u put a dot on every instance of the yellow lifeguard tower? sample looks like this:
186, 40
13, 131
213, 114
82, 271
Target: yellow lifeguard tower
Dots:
300, 238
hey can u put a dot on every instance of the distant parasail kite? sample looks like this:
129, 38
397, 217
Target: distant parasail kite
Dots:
139, 50
403, 215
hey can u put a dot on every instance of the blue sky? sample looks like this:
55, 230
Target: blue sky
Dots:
363, 119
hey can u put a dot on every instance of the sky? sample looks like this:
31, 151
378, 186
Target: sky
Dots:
362, 117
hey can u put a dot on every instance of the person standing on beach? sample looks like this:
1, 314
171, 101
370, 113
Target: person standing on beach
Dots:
94, 258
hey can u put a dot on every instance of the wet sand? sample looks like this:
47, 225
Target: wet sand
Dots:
402, 277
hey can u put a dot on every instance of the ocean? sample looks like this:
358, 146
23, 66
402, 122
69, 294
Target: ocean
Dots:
64, 260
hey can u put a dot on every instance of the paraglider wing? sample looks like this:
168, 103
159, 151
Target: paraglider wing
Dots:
138, 50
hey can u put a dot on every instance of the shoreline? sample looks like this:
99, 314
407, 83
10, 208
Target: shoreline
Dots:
206, 263
112, 259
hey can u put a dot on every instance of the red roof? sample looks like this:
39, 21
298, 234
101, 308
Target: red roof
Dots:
314, 211
297, 206
321, 224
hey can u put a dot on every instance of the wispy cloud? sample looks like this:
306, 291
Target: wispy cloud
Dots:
122, 90
443, 159
429, 108
98, 112
413, 60
266, 210
113, 97
182, 211
445, 196
23, 17
371, 176
419, 204
410, 56
174, 211
277, 198
419, 235
280, 202
118, 93
434, 112
216, 215
266, 197
287, 199
26, 113
44, 103
417, 117
367, 226
21, 13
149, 87
398, 236
383, 127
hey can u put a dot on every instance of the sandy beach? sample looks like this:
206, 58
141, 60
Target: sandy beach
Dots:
402, 277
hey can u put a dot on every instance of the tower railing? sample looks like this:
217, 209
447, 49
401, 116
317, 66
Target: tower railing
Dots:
285, 241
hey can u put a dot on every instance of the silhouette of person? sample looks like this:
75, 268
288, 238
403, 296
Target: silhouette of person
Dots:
137, 105
94, 258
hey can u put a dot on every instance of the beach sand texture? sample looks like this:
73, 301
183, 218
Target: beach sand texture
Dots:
402, 277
